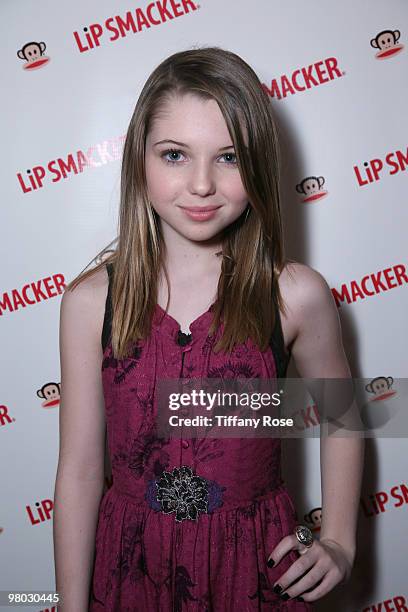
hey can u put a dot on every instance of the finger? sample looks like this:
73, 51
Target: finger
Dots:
302, 548
322, 588
309, 580
286, 544
296, 570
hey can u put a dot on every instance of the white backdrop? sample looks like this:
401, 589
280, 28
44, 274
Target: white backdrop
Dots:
340, 103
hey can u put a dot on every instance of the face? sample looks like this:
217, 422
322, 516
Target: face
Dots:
197, 170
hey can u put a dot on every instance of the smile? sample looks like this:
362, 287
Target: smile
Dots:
201, 214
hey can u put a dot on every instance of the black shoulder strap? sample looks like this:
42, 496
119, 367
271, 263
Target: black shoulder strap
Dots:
277, 343
107, 321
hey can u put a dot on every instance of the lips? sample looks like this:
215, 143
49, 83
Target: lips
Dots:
200, 213
200, 208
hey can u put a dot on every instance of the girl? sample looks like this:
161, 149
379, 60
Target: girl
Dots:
197, 287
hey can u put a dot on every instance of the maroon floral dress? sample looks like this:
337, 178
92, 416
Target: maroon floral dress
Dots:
155, 550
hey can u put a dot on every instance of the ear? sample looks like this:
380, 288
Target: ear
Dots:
397, 35
21, 54
374, 43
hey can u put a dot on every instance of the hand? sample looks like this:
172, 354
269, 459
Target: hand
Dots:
323, 565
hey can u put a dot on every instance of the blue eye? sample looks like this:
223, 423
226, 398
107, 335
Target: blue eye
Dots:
175, 152
172, 152
233, 155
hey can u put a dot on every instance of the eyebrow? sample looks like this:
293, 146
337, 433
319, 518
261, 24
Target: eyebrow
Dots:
182, 144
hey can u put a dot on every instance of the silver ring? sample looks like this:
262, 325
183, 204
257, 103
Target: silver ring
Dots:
304, 536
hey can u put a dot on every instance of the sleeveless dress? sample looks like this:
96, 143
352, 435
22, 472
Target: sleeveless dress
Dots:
210, 554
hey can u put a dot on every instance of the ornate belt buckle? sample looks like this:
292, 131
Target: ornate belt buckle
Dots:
185, 493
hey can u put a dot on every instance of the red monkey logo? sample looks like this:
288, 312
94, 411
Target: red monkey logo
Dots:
387, 44
312, 188
50, 393
381, 388
33, 55
314, 519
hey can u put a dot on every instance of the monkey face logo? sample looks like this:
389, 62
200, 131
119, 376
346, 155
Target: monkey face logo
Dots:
312, 188
381, 388
50, 393
314, 519
387, 43
33, 55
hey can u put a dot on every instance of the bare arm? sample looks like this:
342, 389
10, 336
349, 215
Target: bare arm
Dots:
80, 474
319, 353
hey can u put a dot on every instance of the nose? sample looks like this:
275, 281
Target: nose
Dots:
202, 180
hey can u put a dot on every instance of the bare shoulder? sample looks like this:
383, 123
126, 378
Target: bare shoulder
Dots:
313, 320
298, 279
85, 304
305, 292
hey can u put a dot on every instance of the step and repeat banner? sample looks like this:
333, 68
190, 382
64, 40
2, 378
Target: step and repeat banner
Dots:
337, 78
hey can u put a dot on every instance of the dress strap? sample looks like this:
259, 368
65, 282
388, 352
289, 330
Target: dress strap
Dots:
277, 344
107, 321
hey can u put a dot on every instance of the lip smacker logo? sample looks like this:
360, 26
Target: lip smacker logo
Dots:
5, 418
97, 155
31, 293
313, 75
312, 188
41, 513
381, 501
118, 26
396, 161
371, 284
397, 603
387, 44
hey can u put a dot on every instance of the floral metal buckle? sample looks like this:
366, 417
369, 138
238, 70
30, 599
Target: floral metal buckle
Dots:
183, 492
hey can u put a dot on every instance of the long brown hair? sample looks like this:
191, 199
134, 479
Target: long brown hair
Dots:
252, 246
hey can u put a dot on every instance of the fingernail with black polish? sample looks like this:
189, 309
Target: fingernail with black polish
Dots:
285, 596
270, 562
277, 588
300, 598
